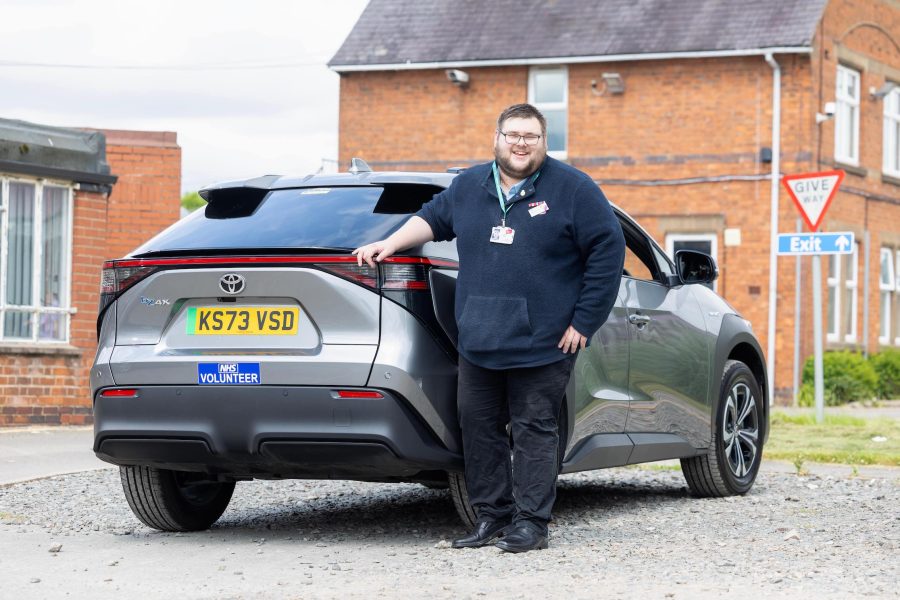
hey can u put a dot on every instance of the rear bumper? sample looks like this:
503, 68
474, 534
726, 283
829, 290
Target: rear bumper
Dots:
268, 432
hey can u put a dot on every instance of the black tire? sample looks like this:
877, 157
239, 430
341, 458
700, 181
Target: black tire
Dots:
460, 495
731, 465
457, 480
174, 500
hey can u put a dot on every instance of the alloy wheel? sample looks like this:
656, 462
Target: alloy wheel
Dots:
740, 429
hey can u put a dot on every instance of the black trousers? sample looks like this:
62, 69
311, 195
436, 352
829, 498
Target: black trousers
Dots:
522, 488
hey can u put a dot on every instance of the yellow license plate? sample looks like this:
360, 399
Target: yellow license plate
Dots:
244, 320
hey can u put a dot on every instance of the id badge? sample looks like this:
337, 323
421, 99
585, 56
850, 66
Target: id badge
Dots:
502, 235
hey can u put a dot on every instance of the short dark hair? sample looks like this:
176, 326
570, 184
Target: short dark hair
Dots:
522, 111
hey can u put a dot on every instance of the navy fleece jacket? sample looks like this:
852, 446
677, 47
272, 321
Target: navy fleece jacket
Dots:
514, 302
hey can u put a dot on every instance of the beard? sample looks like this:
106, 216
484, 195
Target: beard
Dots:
503, 156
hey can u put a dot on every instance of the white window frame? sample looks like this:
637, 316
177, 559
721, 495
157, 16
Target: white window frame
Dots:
712, 238
896, 297
851, 285
833, 329
891, 156
35, 307
542, 106
847, 109
886, 288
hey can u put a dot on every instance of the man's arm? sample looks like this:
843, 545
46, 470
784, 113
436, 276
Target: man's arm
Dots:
600, 240
415, 232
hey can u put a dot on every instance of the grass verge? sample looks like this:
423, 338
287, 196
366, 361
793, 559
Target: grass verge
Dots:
840, 439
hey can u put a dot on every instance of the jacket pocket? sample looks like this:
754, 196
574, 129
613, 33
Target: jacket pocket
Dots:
490, 323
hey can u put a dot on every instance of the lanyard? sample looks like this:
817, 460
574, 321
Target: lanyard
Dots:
500, 194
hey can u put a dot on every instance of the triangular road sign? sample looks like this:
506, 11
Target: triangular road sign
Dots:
813, 193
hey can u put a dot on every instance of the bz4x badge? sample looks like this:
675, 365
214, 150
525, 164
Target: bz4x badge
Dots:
154, 301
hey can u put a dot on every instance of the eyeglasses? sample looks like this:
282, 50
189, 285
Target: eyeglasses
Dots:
530, 139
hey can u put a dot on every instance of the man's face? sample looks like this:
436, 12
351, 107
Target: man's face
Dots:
519, 160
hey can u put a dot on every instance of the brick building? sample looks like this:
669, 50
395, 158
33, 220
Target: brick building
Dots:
669, 106
70, 199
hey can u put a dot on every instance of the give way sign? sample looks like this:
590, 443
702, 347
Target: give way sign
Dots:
813, 193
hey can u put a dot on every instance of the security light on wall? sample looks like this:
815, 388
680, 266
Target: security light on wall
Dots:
884, 90
457, 77
611, 83
830, 109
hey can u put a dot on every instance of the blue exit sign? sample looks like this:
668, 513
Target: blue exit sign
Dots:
801, 244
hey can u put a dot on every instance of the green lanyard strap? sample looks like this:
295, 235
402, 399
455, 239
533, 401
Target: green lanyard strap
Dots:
500, 194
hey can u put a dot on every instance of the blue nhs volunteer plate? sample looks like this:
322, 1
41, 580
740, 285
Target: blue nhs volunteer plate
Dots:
228, 374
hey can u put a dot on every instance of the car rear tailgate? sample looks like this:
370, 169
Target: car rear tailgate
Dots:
161, 337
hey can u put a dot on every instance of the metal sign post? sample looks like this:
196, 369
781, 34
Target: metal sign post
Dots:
813, 193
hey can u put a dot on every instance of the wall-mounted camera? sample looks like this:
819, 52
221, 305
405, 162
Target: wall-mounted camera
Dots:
457, 77
828, 112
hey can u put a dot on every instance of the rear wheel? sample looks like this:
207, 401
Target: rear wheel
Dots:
735, 452
174, 500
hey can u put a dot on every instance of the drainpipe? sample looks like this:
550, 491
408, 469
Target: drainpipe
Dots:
773, 241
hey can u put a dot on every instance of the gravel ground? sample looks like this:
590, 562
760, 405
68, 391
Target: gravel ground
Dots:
619, 533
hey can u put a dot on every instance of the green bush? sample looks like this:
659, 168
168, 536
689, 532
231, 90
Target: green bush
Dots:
848, 377
192, 201
887, 366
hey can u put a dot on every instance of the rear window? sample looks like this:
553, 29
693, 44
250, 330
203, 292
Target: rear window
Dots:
329, 217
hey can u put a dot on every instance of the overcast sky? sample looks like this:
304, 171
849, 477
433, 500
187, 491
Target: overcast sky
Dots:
231, 122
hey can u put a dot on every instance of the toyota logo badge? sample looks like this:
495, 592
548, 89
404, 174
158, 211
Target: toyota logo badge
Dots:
232, 283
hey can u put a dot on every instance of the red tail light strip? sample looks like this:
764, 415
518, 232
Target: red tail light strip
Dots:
358, 394
250, 260
120, 393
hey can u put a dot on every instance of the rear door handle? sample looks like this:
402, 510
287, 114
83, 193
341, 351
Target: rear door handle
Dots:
639, 320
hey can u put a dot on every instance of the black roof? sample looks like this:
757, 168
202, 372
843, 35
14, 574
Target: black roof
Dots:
58, 152
392, 32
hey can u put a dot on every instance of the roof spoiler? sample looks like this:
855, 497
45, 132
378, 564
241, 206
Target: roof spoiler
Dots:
264, 182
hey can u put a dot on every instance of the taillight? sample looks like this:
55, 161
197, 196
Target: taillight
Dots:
364, 275
404, 277
358, 394
115, 279
119, 393
398, 273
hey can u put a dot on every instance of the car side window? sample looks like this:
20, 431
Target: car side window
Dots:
639, 260
634, 266
665, 267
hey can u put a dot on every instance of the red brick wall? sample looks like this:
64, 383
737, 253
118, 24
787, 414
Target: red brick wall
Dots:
41, 385
678, 119
147, 197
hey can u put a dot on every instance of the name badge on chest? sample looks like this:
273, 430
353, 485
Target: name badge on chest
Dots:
502, 235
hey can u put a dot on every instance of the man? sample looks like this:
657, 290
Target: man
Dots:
540, 257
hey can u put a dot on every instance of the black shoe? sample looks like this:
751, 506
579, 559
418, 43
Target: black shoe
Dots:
484, 533
523, 539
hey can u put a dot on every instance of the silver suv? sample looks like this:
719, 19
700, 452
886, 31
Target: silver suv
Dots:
244, 342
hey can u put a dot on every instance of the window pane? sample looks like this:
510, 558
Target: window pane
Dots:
549, 86
895, 146
54, 218
847, 309
852, 260
886, 274
832, 326
885, 312
704, 246
556, 130
55, 207
21, 245
52, 327
832, 266
851, 88
17, 324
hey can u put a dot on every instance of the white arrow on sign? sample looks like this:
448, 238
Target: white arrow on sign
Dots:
842, 243
812, 193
